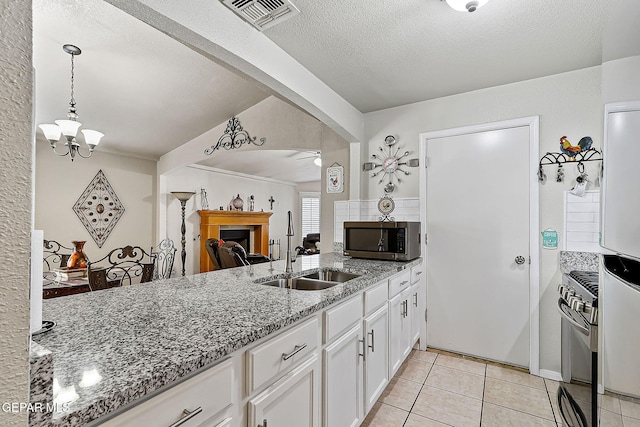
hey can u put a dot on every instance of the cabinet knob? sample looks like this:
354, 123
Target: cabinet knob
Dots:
264, 423
520, 260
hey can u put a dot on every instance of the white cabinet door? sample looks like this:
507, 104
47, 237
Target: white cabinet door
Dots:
418, 303
343, 380
406, 343
376, 362
399, 330
293, 401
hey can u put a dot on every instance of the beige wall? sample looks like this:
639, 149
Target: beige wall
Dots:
59, 183
568, 104
334, 150
15, 209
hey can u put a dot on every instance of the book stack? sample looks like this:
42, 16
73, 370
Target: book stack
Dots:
67, 274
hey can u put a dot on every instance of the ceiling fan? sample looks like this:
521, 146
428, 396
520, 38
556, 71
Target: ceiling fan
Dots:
315, 155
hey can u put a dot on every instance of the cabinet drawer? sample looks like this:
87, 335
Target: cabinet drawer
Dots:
417, 272
280, 354
399, 283
339, 319
208, 393
375, 297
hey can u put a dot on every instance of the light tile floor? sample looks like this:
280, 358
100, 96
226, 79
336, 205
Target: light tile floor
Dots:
433, 389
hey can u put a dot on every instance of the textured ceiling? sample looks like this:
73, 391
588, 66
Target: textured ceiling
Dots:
145, 91
284, 165
388, 53
149, 94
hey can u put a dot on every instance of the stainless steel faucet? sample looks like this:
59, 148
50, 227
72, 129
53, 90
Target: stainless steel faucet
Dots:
289, 267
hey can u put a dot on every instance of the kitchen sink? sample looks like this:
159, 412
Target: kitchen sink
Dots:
332, 276
300, 283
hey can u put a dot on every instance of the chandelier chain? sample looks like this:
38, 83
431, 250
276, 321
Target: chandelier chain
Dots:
72, 103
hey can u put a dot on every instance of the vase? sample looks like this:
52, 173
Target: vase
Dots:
78, 259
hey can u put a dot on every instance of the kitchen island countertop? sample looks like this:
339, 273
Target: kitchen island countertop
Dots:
116, 346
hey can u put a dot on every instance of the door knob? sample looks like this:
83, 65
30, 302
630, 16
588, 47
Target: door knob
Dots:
520, 260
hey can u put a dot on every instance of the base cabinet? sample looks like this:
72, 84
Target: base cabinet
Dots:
343, 380
418, 306
203, 400
376, 362
399, 330
293, 401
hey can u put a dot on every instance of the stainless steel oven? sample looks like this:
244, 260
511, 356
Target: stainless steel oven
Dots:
578, 306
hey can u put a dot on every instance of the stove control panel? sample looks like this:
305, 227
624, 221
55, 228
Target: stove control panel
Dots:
578, 303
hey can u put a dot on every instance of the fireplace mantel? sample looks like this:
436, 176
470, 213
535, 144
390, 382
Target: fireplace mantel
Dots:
210, 222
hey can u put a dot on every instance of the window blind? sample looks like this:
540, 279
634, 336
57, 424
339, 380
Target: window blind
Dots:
310, 215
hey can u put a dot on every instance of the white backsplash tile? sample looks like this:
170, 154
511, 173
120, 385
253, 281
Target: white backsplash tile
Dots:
582, 222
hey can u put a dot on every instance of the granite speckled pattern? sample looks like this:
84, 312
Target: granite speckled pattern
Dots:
41, 383
143, 337
582, 261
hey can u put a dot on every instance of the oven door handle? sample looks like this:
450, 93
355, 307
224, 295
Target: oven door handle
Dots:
582, 328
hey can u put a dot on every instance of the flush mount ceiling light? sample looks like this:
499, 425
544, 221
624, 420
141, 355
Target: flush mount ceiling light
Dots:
466, 5
69, 128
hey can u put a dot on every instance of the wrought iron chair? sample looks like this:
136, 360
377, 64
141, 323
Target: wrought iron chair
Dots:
163, 256
122, 266
55, 256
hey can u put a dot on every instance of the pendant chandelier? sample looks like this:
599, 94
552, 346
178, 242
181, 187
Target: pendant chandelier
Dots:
69, 128
466, 5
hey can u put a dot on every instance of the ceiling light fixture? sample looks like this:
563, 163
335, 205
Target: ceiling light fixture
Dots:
466, 5
69, 128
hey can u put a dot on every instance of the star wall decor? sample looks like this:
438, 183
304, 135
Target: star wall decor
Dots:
99, 208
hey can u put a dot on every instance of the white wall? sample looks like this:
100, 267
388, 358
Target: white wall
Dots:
59, 183
620, 80
16, 143
221, 187
568, 104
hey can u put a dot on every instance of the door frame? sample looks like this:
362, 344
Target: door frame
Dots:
533, 122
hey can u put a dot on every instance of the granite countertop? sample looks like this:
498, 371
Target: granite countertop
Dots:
581, 261
115, 346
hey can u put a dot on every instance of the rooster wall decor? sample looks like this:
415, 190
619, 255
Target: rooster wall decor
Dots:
572, 150
583, 152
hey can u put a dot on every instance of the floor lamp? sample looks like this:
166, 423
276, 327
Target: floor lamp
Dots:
183, 196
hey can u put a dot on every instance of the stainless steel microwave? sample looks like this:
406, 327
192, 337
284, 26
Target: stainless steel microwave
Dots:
398, 241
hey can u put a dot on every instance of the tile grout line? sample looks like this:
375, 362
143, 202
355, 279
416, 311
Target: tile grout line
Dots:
484, 388
419, 391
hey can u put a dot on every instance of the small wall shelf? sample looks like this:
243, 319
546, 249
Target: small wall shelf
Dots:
591, 155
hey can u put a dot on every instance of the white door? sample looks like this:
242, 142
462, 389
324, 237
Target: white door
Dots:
376, 364
477, 223
343, 380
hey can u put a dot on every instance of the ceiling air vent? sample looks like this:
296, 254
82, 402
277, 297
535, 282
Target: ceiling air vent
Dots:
262, 14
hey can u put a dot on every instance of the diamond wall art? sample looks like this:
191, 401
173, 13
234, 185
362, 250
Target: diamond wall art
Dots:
99, 208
